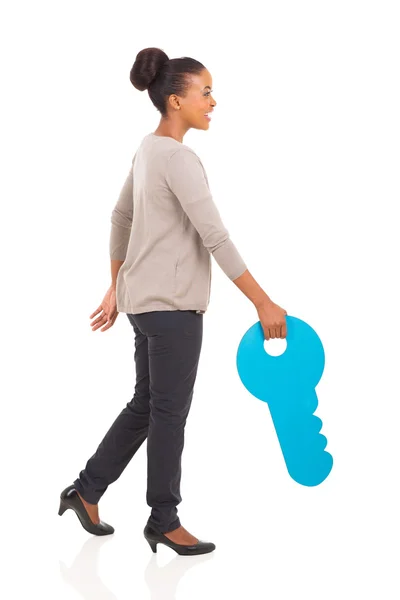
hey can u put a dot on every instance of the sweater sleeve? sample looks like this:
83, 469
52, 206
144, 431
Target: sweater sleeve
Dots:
121, 219
187, 179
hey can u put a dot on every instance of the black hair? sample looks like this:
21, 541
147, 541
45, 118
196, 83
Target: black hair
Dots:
161, 76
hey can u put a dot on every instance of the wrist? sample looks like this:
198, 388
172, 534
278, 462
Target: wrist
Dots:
263, 302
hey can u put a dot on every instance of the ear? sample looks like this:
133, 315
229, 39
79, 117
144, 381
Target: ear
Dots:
174, 101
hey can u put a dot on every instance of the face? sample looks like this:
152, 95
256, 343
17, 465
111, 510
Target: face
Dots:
198, 101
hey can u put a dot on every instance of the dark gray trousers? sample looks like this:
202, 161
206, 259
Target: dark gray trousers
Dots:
167, 352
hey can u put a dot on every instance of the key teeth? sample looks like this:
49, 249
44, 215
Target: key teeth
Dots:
324, 441
309, 465
318, 423
303, 447
313, 476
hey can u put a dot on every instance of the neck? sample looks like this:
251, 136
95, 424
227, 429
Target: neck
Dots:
171, 128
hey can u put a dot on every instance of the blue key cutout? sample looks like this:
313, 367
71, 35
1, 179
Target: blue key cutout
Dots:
287, 383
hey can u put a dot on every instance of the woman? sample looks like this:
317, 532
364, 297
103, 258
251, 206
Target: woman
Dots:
165, 227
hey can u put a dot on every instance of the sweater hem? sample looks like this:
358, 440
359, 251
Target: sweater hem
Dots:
153, 307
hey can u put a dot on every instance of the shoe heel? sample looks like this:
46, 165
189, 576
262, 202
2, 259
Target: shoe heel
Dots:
153, 545
62, 509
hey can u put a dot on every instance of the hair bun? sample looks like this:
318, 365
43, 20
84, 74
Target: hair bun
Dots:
146, 67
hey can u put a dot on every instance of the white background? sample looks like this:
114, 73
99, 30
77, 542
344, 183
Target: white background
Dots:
302, 156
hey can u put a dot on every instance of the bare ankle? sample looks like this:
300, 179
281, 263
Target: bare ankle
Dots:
91, 509
85, 501
181, 536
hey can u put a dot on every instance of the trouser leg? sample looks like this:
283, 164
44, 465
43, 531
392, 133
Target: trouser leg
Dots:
125, 435
174, 344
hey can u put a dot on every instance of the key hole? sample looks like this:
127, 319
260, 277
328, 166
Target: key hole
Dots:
275, 347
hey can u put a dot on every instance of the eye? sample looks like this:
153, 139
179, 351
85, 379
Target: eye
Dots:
208, 93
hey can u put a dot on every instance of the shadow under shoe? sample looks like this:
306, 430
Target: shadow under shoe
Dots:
154, 537
69, 499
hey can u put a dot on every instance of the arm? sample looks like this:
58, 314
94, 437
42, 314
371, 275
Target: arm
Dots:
121, 224
250, 288
115, 267
187, 180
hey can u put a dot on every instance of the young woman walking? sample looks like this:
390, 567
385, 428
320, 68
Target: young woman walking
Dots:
165, 227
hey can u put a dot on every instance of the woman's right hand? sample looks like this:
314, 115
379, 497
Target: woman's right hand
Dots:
272, 319
107, 310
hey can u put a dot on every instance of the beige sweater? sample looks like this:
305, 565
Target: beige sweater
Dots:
165, 227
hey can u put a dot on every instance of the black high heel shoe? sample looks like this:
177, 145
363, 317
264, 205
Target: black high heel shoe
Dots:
69, 499
154, 538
